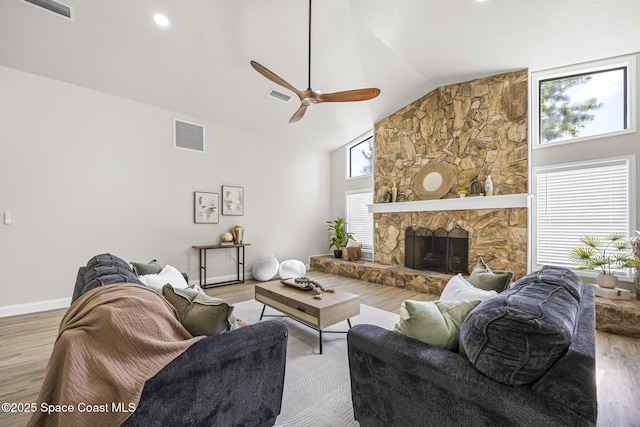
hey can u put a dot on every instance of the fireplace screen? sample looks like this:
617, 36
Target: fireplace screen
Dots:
438, 250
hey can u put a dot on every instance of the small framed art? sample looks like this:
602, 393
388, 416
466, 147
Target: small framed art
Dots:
232, 200
206, 208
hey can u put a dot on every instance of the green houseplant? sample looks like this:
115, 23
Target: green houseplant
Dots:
607, 256
338, 236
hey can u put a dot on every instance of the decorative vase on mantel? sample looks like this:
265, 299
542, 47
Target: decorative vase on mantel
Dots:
608, 281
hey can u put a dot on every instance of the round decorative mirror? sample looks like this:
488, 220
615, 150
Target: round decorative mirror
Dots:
433, 181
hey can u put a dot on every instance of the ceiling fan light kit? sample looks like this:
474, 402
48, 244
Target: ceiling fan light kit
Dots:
311, 97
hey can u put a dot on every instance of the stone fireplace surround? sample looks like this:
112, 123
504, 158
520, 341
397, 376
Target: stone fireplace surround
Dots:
476, 128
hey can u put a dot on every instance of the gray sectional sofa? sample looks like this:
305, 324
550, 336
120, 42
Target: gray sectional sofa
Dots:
234, 378
527, 358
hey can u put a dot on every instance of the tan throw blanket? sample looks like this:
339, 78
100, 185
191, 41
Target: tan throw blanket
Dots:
111, 340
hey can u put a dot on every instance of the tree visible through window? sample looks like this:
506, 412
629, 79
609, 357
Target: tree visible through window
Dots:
361, 158
582, 101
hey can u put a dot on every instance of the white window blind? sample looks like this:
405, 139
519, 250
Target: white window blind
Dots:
577, 199
359, 220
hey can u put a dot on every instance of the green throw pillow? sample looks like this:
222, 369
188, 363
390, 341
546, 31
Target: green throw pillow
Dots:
199, 313
434, 322
142, 268
483, 277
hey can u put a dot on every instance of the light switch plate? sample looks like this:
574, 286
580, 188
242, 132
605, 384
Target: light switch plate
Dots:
7, 217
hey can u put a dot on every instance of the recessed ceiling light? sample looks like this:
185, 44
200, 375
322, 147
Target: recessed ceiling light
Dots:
161, 20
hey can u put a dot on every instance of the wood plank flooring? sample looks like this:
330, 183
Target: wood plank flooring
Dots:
26, 342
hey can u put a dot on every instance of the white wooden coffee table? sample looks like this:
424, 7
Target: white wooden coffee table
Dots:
334, 307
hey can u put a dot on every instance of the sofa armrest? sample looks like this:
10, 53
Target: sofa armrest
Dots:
234, 378
572, 380
396, 380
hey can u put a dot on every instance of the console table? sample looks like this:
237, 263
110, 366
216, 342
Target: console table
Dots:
203, 263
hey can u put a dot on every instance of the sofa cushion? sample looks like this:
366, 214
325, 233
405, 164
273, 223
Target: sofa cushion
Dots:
434, 322
142, 268
515, 337
199, 313
491, 280
458, 289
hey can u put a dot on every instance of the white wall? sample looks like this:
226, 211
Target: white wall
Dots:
83, 172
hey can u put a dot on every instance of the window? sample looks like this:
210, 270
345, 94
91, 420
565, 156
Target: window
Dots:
582, 102
360, 157
359, 220
575, 199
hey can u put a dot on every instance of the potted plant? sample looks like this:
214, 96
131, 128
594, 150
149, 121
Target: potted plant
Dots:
607, 256
338, 236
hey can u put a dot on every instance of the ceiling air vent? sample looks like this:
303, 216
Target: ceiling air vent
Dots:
53, 6
189, 136
279, 95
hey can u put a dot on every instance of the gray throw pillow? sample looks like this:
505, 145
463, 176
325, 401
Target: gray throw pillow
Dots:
490, 280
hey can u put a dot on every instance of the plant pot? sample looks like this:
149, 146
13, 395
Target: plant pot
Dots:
337, 253
608, 281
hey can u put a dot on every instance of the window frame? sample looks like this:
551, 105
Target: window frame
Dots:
625, 275
536, 77
352, 144
367, 248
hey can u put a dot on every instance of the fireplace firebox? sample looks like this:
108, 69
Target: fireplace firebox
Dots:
437, 250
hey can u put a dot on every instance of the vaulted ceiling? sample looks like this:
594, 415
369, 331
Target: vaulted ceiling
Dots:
199, 65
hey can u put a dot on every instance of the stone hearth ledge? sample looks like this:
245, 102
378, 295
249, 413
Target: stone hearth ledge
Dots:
621, 317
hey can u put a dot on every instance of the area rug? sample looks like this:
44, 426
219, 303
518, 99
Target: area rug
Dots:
317, 389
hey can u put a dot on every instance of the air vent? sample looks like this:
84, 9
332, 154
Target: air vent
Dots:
189, 136
53, 6
279, 95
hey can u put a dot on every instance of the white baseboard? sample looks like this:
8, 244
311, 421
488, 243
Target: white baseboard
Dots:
34, 307
54, 304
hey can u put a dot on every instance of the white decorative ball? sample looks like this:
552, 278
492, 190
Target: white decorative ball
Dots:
265, 268
291, 268
226, 237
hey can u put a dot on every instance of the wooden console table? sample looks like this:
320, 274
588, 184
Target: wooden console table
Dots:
203, 263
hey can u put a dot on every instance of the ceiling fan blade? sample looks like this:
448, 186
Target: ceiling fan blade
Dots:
298, 115
349, 95
275, 78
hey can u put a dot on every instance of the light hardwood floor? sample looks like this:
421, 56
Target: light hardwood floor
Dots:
26, 342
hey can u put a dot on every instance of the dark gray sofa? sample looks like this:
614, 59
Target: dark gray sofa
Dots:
535, 346
235, 378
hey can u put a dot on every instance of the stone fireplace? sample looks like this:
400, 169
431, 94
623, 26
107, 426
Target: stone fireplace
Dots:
476, 128
437, 250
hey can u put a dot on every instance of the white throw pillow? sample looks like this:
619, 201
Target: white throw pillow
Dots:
459, 289
169, 275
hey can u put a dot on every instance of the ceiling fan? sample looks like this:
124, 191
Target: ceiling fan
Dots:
310, 97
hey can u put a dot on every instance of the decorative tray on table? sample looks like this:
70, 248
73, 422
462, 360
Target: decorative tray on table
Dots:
306, 284
303, 283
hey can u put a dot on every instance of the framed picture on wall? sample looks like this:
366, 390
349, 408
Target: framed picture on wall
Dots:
232, 200
206, 208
